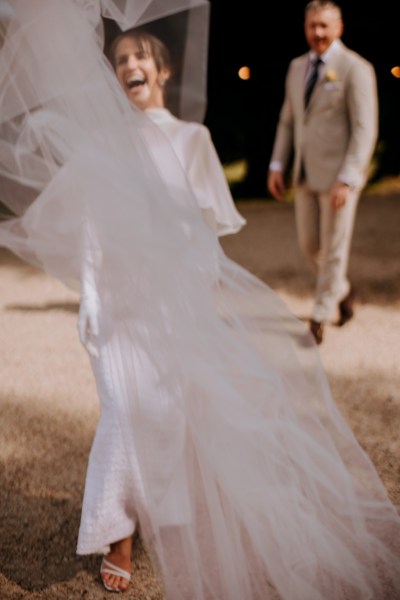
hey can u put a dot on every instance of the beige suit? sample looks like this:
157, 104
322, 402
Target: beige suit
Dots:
333, 139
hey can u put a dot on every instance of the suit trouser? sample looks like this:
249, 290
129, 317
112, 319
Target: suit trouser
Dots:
324, 237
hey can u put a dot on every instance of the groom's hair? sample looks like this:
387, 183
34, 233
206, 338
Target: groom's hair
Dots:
322, 4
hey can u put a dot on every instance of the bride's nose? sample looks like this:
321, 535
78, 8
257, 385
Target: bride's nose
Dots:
132, 61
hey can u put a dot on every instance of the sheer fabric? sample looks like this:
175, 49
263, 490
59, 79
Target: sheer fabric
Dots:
225, 410
195, 150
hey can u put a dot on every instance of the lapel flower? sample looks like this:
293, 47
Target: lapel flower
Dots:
330, 75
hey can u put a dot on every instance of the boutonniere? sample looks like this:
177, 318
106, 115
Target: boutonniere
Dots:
330, 75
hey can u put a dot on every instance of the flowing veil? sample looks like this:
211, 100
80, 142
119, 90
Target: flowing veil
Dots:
251, 482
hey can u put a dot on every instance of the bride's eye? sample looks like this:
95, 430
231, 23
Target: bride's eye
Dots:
121, 60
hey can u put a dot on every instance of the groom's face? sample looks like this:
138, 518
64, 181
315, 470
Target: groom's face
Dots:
322, 26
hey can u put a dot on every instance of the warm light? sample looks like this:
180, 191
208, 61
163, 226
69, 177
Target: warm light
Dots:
244, 73
396, 72
235, 172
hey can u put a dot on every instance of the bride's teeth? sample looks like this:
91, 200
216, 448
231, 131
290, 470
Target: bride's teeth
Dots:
134, 81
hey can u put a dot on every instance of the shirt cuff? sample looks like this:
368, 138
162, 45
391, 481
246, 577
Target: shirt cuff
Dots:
345, 180
275, 165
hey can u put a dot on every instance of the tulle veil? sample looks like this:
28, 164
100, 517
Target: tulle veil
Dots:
252, 485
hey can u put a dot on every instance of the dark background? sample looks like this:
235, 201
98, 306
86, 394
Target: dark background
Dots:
242, 115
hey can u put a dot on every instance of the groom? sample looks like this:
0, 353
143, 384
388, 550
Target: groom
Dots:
329, 117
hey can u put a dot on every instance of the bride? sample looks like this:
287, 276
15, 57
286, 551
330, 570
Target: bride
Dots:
218, 439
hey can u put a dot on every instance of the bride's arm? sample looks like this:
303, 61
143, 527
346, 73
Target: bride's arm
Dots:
89, 311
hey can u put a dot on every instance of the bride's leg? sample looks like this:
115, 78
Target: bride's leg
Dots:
110, 495
119, 556
109, 500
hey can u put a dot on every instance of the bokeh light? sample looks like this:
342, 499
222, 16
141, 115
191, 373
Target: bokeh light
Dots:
244, 73
396, 72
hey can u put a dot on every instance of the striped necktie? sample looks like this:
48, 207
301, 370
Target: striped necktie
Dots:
312, 80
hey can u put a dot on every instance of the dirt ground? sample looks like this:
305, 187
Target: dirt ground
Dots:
48, 403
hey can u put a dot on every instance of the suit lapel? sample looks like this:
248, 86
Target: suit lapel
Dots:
331, 65
299, 80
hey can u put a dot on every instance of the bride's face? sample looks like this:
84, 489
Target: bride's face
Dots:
137, 72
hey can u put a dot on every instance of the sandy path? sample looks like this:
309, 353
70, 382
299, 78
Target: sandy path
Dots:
48, 404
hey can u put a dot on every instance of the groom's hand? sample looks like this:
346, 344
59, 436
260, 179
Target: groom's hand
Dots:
339, 194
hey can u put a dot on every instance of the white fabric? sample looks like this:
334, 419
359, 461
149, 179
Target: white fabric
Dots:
6, 11
217, 388
196, 152
90, 304
114, 485
108, 491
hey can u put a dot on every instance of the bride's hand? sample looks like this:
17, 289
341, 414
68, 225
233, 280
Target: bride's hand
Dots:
88, 325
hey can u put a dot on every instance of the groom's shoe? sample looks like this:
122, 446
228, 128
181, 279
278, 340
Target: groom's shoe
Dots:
317, 329
346, 310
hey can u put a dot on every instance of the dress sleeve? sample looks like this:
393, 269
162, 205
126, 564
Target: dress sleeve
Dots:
210, 186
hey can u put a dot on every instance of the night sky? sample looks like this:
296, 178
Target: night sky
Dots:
242, 115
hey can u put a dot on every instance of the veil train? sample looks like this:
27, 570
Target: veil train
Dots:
250, 482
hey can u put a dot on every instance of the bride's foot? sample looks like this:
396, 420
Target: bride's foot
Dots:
115, 570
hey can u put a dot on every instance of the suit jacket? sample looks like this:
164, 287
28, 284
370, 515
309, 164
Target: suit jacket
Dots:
337, 133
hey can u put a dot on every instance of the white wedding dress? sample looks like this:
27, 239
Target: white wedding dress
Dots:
196, 152
217, 422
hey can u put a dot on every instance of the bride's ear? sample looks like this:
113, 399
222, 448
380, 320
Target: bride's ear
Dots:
163, 76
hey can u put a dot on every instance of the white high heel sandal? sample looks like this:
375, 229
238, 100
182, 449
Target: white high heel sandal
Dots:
110, 569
